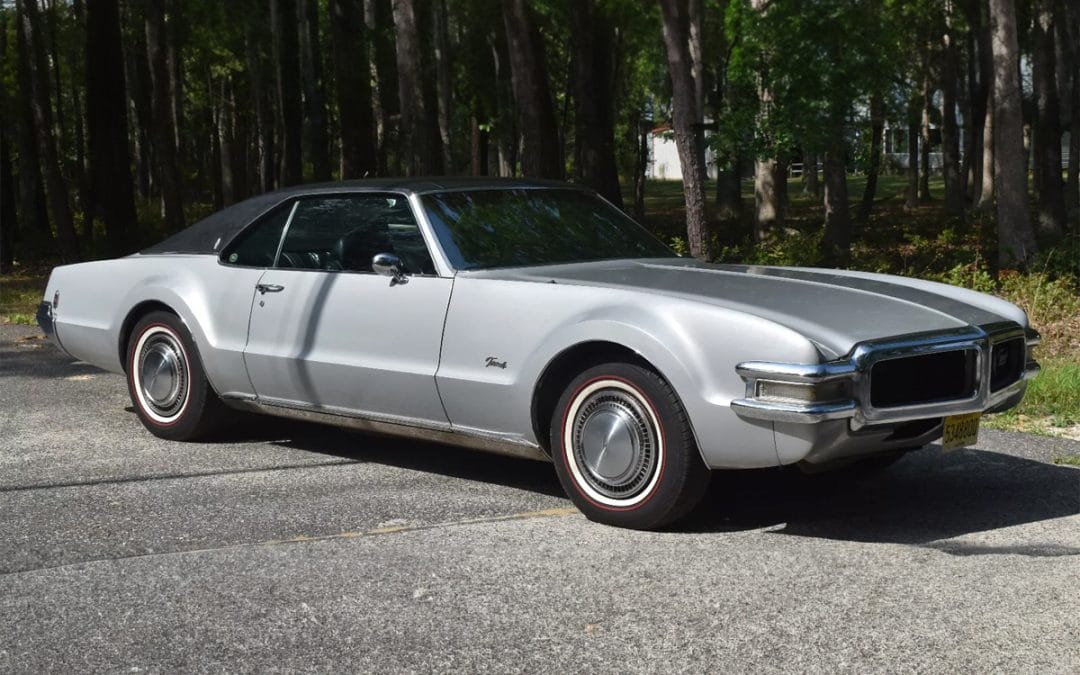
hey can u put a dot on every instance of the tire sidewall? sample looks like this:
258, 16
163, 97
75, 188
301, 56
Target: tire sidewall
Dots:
185, 424
654, 506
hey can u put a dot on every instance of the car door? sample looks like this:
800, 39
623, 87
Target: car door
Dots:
327, 333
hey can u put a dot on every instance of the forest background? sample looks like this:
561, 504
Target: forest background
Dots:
122, 121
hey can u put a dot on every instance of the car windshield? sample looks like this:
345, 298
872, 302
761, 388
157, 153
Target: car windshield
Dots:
510, 228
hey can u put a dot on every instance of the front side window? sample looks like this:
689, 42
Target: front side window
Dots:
336, 233
517, 227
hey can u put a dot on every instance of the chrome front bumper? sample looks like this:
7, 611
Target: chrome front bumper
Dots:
855, 370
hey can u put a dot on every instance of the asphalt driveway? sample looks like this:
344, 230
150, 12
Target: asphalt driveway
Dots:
293, 547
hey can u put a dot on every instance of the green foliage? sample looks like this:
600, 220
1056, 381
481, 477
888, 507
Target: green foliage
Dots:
1053, 398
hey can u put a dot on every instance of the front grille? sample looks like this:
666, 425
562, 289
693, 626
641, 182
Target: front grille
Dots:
1006, 363
927, 378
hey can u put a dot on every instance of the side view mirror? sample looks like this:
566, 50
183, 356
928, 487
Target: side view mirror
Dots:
389, 265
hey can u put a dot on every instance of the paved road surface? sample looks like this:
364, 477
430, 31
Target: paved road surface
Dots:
289, 547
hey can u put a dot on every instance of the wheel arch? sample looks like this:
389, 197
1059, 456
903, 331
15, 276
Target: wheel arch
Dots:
134, 314
564, 367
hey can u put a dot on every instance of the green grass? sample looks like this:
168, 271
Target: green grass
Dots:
1070, 460
1052, 401
19, 297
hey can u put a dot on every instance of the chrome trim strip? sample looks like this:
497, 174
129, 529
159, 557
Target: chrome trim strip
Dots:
421, 430
857, 370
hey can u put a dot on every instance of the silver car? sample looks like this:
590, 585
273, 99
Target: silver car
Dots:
537, 320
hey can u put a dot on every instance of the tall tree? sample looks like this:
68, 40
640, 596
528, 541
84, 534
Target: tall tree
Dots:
163, 132
1016, 239
594, 109
419, 149
769, 173
111, 182
8, 214
378, 17
318, 141
540, 156
286, 57
353, 81
1047, 129
444, 88
686, 118
38, 94
877, 128
34, 226
950, 130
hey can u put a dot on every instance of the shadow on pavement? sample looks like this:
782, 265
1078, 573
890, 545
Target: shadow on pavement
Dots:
925, 497
445, 460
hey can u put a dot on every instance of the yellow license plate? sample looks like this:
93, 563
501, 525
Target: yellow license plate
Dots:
960, 431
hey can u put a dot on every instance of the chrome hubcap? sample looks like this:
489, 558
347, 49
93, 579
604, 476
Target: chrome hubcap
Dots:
162, 374
614, 443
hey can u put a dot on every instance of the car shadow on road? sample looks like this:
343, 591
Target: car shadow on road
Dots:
923, 499
446, 460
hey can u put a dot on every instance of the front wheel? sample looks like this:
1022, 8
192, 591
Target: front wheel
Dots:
166, 381
623, 448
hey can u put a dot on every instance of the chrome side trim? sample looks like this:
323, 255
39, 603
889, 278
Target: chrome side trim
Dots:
474, 439
857, 370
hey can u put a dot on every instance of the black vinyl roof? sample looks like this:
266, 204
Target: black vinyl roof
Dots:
212, 233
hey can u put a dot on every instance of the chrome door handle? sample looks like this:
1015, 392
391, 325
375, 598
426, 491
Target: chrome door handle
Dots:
269, 288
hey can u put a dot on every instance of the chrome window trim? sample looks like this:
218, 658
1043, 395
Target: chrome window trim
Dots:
857, 367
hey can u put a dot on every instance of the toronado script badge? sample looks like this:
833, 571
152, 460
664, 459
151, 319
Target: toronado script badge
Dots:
493, 362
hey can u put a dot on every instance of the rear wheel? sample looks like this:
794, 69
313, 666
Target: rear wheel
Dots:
166, 380
623, 448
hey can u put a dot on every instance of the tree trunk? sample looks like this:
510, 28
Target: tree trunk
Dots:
82, 175
770, 185
444, 89
593, 101
643, 129
1050, 217
351, 71
540, 155
56, 188
877, 128
318, 142
285, 35
836, 243
107, 125
34, 230
420, 155
266, 146
378, 16
1072, 181
924, 149
950, 130
911, 197
976, 106
8, 216
729, 190
1016, 238
163, 134
811, 184
137, 79
687, 127
986, 189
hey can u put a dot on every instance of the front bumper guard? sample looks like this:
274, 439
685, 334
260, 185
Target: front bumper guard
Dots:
856, 371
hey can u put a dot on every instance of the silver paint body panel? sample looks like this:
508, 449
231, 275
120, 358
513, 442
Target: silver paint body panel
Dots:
412, 358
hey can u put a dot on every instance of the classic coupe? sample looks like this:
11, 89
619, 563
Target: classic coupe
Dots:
535, 319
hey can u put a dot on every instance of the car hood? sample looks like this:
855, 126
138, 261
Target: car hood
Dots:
835, 309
